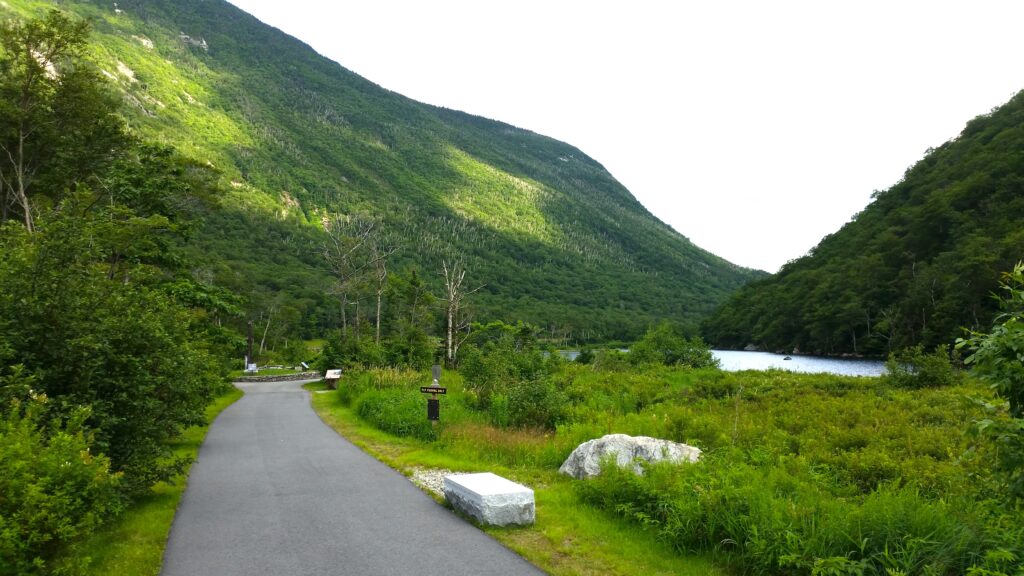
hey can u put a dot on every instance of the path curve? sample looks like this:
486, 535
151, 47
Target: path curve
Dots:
275, 491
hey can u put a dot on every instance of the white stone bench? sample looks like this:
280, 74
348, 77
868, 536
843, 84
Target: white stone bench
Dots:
490, 498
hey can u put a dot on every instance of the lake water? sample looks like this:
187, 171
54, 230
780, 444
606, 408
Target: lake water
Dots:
736, 360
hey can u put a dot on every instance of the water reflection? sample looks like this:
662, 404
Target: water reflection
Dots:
736, 360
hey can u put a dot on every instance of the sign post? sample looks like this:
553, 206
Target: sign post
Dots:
433, 404
331, 378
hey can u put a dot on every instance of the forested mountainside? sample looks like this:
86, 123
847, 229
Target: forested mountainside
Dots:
299, 140
916, 266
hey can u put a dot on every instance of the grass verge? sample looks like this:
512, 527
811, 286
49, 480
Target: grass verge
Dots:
134, 543
570, 536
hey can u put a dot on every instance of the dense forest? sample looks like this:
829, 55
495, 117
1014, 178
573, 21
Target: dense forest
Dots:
916, 266
297, 140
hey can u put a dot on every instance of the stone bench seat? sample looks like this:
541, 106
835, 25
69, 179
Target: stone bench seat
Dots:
490, 499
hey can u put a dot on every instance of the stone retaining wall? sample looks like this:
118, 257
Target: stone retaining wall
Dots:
281, 378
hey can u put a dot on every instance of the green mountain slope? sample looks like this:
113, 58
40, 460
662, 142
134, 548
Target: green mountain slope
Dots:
917, 265
554, 238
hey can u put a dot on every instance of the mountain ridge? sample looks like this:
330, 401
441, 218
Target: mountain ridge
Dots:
917, 266
298, 137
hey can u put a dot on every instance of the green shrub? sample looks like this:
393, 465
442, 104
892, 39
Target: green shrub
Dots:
331, 355
716, 386
402, 412
914, 368
411, 347
500, 364
53, 489
586, 356
611, 361
535, 403
662, 345
127, 350
998, 358
499, 412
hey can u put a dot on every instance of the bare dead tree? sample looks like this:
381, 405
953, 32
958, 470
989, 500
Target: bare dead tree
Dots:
454, 276
354, 252
379, 256
342, 249
263, 340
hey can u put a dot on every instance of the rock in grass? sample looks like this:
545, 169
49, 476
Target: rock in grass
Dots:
490, 499
629, 451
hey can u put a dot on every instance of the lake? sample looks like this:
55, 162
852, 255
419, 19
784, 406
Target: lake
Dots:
736, 360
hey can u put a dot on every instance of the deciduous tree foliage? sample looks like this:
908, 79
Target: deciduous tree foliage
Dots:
663, 345
57, 121
125, 349
998, 357
109, 345
55, 487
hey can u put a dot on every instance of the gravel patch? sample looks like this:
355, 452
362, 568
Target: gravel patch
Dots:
431, 479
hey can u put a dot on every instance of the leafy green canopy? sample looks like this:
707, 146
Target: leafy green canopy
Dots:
663, 345
914, 267
97, 303
108, 345
57, 125
998, 357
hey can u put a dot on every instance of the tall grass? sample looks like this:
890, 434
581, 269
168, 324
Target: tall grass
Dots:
802, 474
784, 521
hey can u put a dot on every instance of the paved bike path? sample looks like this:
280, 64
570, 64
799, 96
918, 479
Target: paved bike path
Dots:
275, 491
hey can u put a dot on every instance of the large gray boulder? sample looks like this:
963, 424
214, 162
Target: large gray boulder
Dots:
629, 451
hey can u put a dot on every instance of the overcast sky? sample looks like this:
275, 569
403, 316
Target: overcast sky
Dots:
754, 128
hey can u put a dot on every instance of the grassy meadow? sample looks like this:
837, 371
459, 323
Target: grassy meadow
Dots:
802, 474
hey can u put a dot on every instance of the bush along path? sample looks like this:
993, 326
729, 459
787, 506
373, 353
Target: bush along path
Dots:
134, 542
275, 491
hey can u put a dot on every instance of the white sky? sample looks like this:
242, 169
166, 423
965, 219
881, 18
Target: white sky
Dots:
752, 127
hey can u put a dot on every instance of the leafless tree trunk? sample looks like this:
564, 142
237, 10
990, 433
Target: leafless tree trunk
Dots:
263, 341
357, 317
352, 249
343, 248
5, 198
16, 185
381, 277
344, 315
454, 276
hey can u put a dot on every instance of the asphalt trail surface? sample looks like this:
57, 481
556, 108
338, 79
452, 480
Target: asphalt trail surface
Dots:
275, 491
